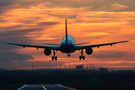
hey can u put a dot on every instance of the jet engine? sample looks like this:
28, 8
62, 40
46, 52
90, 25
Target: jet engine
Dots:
89, 51
47, 52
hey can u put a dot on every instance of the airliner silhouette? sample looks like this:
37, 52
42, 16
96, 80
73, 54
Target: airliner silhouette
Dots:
67, 46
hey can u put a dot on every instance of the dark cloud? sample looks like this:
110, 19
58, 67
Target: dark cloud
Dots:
96, 4
7, 2
6, 5
15, 39
110, 54
15, 35
20, 2
18, 32
64, 16
48, 23
6, 57
9, 28
29, 20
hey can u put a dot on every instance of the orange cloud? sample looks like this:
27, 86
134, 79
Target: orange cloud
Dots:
113, 7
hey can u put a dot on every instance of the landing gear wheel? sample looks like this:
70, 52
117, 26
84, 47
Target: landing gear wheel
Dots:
82, 57
54, 57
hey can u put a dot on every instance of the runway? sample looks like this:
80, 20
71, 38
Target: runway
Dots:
45, 87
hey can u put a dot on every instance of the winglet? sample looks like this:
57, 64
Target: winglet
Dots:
66, 30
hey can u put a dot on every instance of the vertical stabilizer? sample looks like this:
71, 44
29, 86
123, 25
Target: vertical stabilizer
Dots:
66, 30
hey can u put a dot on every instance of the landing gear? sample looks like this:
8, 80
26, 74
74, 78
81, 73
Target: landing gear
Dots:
69, 55
82, 57
54, 57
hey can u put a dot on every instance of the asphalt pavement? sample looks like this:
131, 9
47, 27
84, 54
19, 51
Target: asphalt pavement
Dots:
45, 87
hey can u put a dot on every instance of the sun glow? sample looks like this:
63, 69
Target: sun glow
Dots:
97, 34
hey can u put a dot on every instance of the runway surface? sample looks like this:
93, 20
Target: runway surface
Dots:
45, 87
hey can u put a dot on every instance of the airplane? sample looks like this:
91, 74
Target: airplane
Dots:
67, 46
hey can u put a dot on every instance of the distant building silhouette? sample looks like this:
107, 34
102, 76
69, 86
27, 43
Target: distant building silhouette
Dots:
63, 67
79, 67
102, 70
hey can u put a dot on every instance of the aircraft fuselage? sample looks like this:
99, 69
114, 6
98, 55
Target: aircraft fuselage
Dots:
67, 46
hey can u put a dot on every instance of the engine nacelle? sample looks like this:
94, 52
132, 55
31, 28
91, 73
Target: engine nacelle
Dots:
47, 52
89, 51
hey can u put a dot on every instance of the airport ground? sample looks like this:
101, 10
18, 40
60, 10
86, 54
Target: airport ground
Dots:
78, 79
82, 86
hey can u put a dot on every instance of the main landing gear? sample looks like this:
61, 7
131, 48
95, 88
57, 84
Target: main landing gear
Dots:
54, 57
82, 57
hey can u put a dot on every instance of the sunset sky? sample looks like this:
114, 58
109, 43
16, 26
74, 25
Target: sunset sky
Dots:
42, 21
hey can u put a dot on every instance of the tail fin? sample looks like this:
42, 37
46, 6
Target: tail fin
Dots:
66, 30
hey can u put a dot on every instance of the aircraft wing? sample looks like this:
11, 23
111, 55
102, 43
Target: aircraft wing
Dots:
36, 46
97, 45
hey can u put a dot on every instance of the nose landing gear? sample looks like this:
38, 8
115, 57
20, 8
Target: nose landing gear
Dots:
69, 55
54, 57
82, 56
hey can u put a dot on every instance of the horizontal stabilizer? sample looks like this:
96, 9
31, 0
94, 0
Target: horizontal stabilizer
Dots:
51, 44
81, 43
